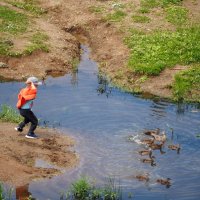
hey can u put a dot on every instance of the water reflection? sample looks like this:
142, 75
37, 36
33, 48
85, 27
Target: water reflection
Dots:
22, 193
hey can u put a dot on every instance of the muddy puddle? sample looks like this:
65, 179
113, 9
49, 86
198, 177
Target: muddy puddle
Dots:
108, 125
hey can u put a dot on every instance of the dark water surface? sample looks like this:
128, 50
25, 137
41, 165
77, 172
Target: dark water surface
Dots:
101, 119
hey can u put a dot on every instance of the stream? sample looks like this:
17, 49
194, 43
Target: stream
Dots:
101, 118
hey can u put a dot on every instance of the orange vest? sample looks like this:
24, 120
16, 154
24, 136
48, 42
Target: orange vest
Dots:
26, 94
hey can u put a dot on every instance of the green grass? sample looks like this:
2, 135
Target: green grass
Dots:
8, 114
5, 46
117, 16
151, 53
96, 9
141, 19
28, 5
12, 21
38, 42
176, 15
83, 189
147, 5
187, 85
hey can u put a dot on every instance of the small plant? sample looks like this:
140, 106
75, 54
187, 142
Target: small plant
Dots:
8, 114
5, 46
5, 194
117, 16
140, 19
176, 15
12, 21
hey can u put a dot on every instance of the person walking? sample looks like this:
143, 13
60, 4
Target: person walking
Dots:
26, 97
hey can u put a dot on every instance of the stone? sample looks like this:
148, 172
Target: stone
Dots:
3, 65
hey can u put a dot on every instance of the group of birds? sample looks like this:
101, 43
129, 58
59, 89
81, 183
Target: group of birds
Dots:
155, 141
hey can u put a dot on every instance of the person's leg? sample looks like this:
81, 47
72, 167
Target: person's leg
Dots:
23, 113
34, 121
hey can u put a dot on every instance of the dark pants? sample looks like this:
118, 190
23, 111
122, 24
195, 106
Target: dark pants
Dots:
28, 117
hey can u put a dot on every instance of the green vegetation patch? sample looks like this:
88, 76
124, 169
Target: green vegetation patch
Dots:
12, 21
5, 46
176, 15
187, 85
28, 5
117, 16
141, 19
38, 42
147, 5
96, 9
83, 189
8, 114
151, 53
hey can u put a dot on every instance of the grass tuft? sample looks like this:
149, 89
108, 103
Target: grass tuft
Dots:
176, 15
151, 53
8, 114
82, 189
117, 16
141, 19
28, 5
38, 41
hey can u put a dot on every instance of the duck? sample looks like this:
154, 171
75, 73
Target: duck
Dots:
164, 182
149, 132
148, 141
155, 146
175, 147
159, 138
143, 177
145, 152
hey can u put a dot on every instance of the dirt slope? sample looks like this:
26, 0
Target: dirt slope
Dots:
19, 155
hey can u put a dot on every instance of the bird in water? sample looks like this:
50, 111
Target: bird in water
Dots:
147, 141
175, 147
143, 177
164, 182
150, 132
145, 152
159, 138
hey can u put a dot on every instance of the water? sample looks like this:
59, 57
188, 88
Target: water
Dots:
101, 119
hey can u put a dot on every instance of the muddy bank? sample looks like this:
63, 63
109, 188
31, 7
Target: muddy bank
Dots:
19, 156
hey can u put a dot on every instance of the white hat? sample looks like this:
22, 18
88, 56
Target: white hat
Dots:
33, 80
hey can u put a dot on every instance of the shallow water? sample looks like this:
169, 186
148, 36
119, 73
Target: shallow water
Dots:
101, 119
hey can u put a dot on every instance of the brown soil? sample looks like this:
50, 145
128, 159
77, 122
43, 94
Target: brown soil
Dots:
18, 154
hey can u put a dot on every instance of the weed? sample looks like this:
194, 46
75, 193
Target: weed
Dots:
12, 21
28, 5
8, 114
151, 53
117, 16
140, 19
74, 64
38, 43
187, 84
96, 9
176, 15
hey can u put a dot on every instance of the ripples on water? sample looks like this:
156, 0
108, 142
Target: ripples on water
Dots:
101, 119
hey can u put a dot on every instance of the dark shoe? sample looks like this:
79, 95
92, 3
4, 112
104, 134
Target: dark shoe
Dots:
18, 129
31, 136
